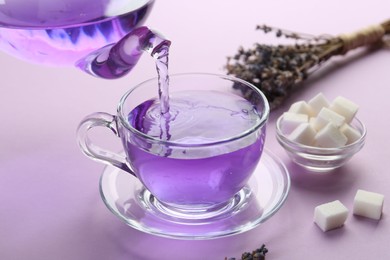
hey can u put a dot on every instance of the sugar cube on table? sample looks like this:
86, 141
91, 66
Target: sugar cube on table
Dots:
317, 103
326, 116
301, 107
292, 120
368, 204
351, 133
330, 215
303, 134
344, 107
330, 137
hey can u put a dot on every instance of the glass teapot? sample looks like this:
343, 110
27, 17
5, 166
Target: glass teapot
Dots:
101, 37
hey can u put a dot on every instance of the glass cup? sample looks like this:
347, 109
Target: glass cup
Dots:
195, 172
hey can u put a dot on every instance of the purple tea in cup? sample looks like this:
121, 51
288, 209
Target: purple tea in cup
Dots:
200, 153
190, 170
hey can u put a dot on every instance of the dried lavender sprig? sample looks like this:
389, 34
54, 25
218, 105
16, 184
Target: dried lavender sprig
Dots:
276, 70
279, 69
258, 254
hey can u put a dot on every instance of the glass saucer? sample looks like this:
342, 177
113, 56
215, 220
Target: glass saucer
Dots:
264, 194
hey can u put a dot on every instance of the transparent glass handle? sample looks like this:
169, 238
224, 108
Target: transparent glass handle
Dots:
95, 152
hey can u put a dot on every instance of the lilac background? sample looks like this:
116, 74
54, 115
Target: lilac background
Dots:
50, 206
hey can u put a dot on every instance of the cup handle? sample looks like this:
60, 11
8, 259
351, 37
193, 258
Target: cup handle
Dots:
95, 152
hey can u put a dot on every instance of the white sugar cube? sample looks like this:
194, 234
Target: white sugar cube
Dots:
317, 103
368, 204
301, 107
330, 215
330, 137
344, 107
330, 122
326, 116
292, 121
351, 133
303, 134
312, 121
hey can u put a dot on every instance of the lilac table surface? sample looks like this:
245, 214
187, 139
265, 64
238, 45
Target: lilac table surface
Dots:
50, 206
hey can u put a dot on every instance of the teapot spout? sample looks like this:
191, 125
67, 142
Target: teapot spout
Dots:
116, 60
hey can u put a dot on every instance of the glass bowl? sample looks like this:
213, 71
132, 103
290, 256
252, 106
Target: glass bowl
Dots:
318, 159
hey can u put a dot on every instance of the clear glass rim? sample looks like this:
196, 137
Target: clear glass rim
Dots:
260, 124
320, 150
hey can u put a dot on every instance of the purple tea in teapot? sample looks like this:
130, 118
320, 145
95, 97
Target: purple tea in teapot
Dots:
62, 32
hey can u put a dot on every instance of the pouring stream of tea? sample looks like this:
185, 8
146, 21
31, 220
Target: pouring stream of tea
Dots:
116, 60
